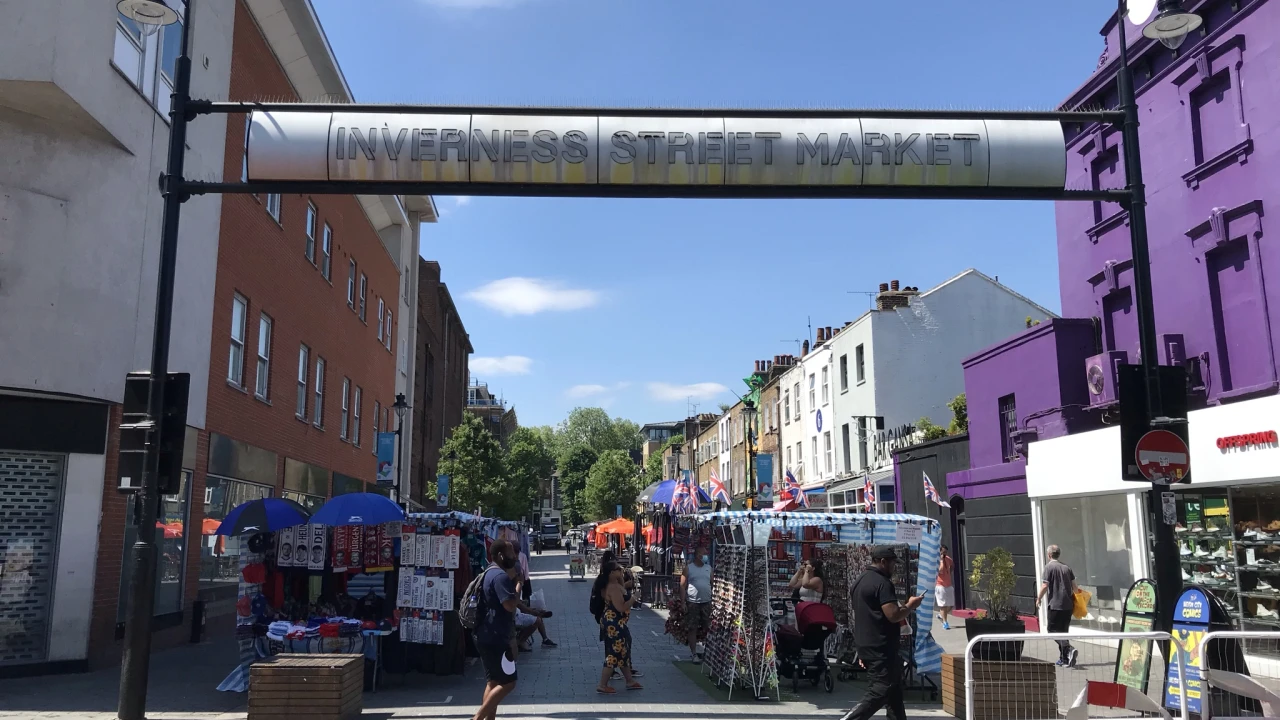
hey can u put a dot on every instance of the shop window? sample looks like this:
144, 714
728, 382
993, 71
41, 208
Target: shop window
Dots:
220, 554
306, 500
1255, 510
171, 551
886, 498
1096, 542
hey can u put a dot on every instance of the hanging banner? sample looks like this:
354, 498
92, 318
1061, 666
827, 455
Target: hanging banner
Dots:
1133, 659
386, 457
764, 480
684, 149
442, 491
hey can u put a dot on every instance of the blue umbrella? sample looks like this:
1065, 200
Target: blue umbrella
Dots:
358, 509
262, 515
660, 493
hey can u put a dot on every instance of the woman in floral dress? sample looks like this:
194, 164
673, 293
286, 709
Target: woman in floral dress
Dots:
613, 622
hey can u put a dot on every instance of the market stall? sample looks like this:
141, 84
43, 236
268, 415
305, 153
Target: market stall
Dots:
755, 553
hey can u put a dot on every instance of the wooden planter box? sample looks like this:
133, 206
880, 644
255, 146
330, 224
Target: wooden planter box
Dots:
1002, 690
316, 687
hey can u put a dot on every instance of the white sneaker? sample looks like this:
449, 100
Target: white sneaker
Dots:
1184, 550
1210, 527
1264, 612
1186, 575
1264, 585
1201, 552
1220, 553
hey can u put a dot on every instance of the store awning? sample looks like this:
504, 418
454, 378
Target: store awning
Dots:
856, 483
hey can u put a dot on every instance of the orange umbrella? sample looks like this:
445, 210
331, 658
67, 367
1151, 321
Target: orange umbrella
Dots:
621, 526
209, 526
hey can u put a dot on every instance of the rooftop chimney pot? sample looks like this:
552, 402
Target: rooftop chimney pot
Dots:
893, 284
884, 287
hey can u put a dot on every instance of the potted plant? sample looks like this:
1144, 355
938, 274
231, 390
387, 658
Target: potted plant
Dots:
993, 579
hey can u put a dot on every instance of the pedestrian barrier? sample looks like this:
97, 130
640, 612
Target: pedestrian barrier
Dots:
1236, 674
1078, 675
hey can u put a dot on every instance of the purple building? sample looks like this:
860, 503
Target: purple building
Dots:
1040, 402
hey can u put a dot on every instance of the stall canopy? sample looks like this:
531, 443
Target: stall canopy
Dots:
620, 526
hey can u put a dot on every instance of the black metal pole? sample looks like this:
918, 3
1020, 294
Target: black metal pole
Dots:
1164, 547
399, 451
132, 702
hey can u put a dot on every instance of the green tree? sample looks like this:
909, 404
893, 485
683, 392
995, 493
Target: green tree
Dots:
959, 414
654, 471
594, 428
529, 465
613, 481
930, 430
574, 466
473, 461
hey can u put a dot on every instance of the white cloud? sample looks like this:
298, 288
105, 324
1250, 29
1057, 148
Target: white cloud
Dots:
529, 296
462, 200
446, 206
579, 392
667, 392
503, 365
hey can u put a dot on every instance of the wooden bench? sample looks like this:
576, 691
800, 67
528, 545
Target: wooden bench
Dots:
317, 687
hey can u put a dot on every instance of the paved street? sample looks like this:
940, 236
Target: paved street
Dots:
554, 683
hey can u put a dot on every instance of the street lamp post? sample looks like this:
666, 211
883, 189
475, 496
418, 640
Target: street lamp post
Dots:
1170, 27
131, 704
749, 414
401, 407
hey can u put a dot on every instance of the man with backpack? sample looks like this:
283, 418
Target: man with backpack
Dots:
489, 607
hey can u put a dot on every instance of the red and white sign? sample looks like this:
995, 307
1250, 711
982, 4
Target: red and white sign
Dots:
1266, 437
1163, 457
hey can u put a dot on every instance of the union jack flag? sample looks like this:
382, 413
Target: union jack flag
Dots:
718, 490
869, 494
931, 492
684, 499
794, 491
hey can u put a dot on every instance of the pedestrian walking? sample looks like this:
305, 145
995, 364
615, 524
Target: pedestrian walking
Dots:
695, 581
877, 634
944, 594
1059, 583
614, 619
495, 633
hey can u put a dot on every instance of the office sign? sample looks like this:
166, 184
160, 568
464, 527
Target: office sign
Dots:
507, 146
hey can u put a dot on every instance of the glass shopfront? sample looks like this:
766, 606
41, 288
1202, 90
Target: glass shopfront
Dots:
220, 554
1097, 543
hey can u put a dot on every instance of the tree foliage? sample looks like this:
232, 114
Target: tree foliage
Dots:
930, 430
473, 460
529, 466
574, 466
594, 428
613, 481
959, 414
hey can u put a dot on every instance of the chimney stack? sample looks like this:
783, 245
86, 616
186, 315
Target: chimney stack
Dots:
884, 287
804, 348
893, 295
893, 285
829, 333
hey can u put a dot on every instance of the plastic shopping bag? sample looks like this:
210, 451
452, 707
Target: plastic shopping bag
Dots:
537, 600
1082, 598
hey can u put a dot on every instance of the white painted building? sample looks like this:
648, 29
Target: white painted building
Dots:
791, 433
900, 362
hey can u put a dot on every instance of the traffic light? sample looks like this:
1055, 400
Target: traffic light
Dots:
133, 431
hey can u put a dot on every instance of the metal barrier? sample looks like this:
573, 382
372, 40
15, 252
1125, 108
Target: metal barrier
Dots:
1236, 679
1046, 676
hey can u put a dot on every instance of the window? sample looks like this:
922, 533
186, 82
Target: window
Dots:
814, 443
886, 498
788, 457
364, 294
244, 156
273, 206
326, 250
149, 62
345, 426
1008, 425
827, 450
387, 335
382, 316
826, 396
304, 364
862, 443
311, 233
800, 462
235, 363
317, 409
130, 49
796, 397
262, 378
355, 417
219, 563
351, 284
786, 406
860, 360
813, 399
1096, 531
377, 422
844, 373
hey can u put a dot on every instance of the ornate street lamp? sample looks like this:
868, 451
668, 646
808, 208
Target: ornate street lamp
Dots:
1172, 24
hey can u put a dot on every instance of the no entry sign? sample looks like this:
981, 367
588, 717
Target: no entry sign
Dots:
1163, 457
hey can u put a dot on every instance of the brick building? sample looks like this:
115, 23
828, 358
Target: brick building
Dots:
311, 339
492, 410
440, 375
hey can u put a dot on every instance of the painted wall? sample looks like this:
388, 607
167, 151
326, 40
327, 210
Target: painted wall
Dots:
79, 243
77, 554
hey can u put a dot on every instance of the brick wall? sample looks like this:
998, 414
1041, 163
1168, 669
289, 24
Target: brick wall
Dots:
437, 401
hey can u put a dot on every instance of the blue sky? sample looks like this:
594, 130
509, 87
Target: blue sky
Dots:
635, 305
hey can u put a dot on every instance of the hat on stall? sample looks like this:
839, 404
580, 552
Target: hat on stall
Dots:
883, 552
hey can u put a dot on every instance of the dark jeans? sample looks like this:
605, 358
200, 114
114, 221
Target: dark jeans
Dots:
884, 671
1060, 622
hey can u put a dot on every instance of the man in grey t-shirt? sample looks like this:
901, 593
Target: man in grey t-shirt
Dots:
1059, 583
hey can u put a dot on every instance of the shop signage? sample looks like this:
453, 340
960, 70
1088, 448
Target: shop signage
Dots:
1190, 623
886, 442
526, 146
386, 455
818, 415
1163, 457
764, 479
1133, 660
1266, 438
442, 491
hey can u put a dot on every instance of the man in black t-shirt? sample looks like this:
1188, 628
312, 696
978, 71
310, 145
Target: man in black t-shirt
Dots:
495, 633
877, 622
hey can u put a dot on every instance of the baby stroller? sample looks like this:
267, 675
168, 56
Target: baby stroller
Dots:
800, 648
